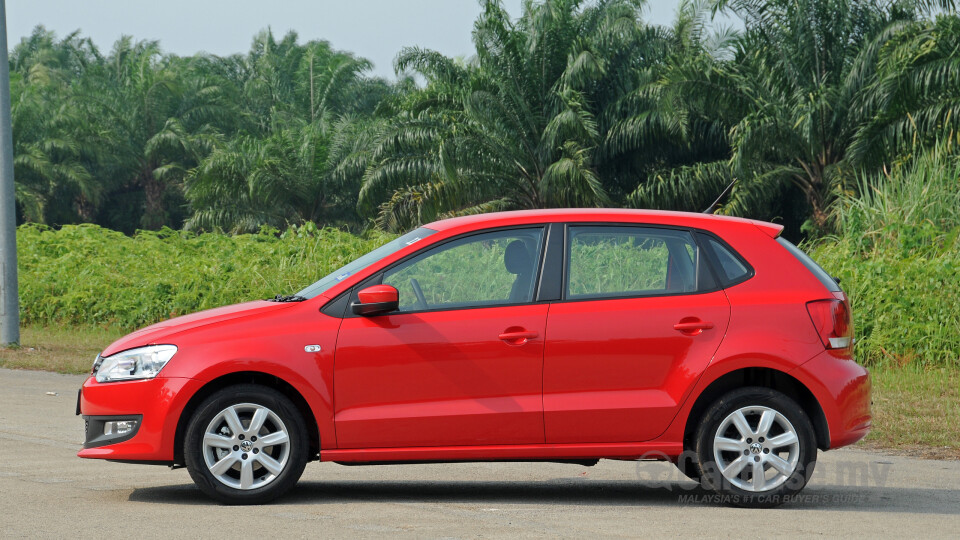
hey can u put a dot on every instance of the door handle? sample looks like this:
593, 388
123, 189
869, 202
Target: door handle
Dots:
518, 337
692, 328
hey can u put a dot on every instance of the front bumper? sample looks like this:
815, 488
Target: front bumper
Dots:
156, 403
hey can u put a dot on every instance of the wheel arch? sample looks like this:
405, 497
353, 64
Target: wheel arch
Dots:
763, 377
246, 377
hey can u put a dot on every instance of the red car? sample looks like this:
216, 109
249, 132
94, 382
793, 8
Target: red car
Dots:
555, 335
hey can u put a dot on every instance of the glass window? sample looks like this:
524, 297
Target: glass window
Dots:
732, 268
486, 269
359, 264
630, 261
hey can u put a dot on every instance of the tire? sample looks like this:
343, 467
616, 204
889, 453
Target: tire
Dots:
744, 423
240, 465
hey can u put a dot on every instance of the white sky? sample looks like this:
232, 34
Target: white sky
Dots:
373, 29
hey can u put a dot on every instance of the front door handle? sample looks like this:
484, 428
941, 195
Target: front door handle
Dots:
692, 327
518, 337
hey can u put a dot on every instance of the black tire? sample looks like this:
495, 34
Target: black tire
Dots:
687, 464
287, 459
743, 489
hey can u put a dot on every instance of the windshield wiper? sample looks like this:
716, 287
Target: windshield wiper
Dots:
287, 298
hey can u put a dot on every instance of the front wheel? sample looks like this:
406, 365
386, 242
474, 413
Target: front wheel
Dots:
246, 444
756, 447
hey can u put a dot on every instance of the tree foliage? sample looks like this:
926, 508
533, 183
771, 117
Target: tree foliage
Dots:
573, 103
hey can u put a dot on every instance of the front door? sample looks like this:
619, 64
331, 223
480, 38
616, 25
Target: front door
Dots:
461, 362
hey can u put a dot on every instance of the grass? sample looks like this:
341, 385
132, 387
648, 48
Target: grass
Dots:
63, 349
916, 411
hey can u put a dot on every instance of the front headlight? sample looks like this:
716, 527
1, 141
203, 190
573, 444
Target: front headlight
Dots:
141, 363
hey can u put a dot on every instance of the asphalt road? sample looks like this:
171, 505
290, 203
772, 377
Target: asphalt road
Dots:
46, 491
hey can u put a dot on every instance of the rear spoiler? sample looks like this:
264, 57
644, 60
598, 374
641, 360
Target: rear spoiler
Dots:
772, 229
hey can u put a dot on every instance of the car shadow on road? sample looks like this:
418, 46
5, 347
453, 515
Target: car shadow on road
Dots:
579, 493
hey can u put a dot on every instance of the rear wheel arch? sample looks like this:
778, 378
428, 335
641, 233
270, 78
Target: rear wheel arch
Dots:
762, 377
246, 377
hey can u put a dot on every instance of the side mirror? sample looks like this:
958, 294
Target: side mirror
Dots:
376, 299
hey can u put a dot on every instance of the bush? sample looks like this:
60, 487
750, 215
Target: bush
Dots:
85, 274
899, 261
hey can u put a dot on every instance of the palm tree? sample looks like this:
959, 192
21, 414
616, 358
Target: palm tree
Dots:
795, 99
276, 170
156, 116
523, 125
51, 140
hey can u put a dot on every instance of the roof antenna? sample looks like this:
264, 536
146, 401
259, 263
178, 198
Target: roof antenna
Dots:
713, 206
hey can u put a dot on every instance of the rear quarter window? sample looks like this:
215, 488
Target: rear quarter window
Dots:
728, 264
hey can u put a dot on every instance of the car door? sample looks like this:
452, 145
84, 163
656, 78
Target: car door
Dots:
639, 321
460, 362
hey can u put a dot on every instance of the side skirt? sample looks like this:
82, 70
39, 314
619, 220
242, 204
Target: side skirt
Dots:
525, 452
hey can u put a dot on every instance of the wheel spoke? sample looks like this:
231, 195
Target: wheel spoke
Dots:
740, 422
734, 468
784, 439
223, 465
766, 421
780, 464
233, 421
728, 445
269, 463
246, 474
758, 477
259, 417
275, 438
217, 441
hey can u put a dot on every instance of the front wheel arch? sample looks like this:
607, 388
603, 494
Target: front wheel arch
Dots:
246, 377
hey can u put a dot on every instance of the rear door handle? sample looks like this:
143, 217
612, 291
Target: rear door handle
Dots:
692, 328
518, 337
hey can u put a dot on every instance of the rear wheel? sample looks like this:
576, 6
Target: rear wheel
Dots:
246, 444
756, 446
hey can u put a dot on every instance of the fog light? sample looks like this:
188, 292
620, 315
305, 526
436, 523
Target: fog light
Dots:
119, 427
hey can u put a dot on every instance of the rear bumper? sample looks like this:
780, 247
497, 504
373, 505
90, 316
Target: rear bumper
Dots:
157, 403
842, 387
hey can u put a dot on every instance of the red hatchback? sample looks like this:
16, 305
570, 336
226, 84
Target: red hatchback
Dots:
557, 335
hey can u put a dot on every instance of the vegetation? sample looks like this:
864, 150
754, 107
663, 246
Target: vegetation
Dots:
575, 103
87, 275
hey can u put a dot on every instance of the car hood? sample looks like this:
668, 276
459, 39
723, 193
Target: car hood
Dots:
162, 331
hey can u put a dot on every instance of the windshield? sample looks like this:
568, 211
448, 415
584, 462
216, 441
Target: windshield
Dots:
357, 265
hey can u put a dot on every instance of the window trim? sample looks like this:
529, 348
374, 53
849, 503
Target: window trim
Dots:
377, 277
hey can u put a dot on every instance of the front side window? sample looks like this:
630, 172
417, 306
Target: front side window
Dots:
631, 261
487, 269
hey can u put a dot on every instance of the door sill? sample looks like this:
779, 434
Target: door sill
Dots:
513, 452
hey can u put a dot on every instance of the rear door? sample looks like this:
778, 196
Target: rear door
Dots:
639, 320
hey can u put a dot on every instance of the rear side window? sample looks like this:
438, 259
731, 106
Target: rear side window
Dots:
731, 267
812, 266
631, 261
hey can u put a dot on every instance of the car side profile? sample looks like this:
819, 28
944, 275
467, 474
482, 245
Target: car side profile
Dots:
548, 335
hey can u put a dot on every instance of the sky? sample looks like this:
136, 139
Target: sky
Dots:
373, 29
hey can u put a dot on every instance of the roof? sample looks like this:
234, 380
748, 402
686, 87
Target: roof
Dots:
615, 215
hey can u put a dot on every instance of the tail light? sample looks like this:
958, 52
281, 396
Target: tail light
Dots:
831, 319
